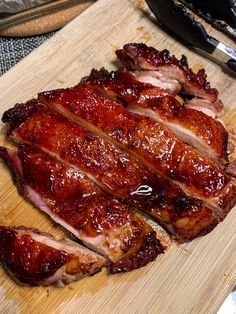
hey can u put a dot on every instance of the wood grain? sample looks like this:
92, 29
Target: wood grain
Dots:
190, 278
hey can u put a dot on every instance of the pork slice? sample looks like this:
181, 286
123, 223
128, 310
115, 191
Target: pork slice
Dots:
149, 141
231, 168
100, 221
137, 56
195, 128
35, 258
183, 216
158, 79
202, 105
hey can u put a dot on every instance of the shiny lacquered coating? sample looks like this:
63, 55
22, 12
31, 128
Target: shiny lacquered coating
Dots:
71, 199
148, 140
35, 258
185, 217
191, 126
79, 147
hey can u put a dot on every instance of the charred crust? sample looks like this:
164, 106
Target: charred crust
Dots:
98, 76
148, 252
184, 204
20, 112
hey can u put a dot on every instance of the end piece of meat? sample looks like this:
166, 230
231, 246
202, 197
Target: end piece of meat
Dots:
35, 258
71, 199
138, 56
195, 128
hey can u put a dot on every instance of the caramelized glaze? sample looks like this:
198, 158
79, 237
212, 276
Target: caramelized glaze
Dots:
97, 219
35, 258
27, 260
156, 103
149, 192
150, 141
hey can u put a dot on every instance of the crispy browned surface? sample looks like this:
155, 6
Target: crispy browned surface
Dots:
136, 56
99, 220
28, 262
149, 192
19, 113
148, 140
123, 86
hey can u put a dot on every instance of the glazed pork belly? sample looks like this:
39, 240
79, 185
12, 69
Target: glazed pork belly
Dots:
115, 170
195, 128
38, 259
149, 141
100, 221
153, 66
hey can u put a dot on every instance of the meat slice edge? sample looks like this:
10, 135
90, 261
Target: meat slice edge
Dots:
35, 258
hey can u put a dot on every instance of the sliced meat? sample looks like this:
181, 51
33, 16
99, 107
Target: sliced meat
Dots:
185, 217
202, 105
141, 57
100, 221
158, 79
79, 147
35, 258
231, 168
197, 129
149, 141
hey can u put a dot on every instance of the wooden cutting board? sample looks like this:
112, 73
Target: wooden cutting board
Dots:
189, 278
